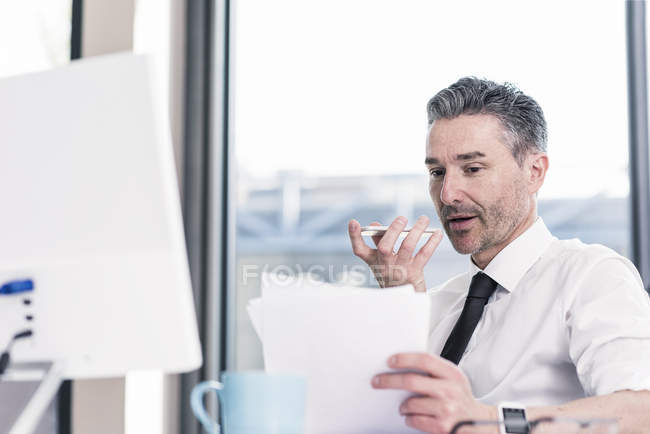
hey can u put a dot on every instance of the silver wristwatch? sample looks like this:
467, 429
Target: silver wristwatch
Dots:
512, 418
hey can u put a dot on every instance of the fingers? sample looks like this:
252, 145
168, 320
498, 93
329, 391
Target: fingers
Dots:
419, 405
387, 243
410, 242
423, 256
376, 238
424, 423
416, 383
359, 247
434, 365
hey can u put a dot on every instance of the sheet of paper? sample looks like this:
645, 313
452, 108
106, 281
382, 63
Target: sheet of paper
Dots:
339, 338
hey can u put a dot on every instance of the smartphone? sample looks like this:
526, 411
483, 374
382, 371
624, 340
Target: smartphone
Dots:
371, 231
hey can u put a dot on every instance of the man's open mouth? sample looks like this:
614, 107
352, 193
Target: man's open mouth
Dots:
457, 219
458, 223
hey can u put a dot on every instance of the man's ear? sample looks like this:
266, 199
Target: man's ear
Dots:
537, 167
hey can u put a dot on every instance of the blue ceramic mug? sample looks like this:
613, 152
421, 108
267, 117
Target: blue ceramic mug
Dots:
254, 403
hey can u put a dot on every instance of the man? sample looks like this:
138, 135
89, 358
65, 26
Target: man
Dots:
561, 326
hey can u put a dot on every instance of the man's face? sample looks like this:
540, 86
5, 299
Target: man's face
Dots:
479, 190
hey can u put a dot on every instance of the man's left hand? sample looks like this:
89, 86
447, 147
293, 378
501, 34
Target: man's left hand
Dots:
443, 393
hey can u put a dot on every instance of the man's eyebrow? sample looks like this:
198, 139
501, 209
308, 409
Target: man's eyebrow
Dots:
462, 157
470, 155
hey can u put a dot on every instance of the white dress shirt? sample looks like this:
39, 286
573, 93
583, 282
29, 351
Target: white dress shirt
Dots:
567, 320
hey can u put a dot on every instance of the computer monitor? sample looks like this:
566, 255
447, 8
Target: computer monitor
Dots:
90, 212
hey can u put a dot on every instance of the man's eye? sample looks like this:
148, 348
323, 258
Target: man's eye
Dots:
436, 173
473, 169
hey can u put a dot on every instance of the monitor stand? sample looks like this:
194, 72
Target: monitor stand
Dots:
26, 390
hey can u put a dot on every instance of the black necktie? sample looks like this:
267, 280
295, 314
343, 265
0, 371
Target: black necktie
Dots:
480, 290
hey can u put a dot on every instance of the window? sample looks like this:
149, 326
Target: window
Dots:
330, 123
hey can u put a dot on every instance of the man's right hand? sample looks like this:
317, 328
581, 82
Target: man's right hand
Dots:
390, 268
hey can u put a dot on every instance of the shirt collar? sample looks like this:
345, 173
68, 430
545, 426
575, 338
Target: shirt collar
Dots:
510, 264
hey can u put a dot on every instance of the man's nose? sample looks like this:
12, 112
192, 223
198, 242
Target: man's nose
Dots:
452, 190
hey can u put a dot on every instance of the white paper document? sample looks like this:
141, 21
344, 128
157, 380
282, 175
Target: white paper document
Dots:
339, 338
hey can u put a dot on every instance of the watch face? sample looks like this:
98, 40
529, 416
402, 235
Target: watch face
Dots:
515, 420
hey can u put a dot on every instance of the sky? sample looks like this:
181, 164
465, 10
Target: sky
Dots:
332, 88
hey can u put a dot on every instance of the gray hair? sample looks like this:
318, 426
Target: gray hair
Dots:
522, 118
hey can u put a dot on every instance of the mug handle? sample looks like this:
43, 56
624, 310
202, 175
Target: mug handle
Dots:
196, 401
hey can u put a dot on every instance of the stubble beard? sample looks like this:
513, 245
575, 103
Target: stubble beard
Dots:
496, 223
